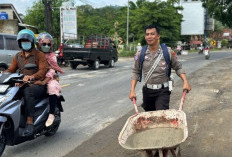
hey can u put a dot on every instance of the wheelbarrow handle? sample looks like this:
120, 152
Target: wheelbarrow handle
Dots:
135, 106
182, 99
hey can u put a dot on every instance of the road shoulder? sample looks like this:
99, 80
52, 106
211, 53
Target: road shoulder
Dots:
208, 109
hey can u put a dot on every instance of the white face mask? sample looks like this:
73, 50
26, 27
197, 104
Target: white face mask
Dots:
46, 48
26, 45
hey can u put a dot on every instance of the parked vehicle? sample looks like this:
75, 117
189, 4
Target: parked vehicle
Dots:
8, 48
12, 117
98, 50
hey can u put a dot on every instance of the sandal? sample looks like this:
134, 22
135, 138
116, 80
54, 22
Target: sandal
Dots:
50, 120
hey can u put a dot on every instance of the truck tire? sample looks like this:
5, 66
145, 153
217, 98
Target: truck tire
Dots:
73, 65
111, 63
96, 64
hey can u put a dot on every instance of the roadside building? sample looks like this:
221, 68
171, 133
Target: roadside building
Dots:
10, 20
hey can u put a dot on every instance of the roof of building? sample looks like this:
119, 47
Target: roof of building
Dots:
11, 6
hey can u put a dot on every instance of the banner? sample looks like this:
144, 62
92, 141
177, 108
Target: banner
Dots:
68, 23
193, 18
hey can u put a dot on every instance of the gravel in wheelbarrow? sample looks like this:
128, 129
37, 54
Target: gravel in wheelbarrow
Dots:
154, 130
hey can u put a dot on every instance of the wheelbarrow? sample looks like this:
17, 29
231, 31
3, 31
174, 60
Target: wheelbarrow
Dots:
161, 131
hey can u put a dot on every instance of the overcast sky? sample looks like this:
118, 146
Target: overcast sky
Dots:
22, 5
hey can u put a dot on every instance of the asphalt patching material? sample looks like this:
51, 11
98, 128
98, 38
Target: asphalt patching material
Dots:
155, 138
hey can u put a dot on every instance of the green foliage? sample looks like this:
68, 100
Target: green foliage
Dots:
126, 53
113, 20
98, 21
224, 42
220, 10
35, 16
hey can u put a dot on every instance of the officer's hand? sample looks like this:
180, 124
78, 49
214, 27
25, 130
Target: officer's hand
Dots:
28, 78
186, 86
132, 95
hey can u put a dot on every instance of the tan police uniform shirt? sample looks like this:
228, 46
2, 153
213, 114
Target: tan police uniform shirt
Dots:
159, 74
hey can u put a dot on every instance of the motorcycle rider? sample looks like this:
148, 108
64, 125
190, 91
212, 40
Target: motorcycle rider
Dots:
179, 49
45, 44
31, 92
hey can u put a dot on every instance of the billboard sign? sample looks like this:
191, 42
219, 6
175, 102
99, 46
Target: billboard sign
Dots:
193, 18
68, 23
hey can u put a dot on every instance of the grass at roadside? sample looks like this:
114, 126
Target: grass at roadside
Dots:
126, 53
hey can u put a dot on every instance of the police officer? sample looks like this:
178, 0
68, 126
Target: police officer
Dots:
156, 93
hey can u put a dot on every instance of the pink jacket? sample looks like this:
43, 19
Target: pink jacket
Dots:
54, 88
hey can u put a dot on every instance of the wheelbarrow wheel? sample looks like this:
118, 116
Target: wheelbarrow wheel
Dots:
158, 153
176, 152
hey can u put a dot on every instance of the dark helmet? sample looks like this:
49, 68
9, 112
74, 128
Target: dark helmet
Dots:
28, 35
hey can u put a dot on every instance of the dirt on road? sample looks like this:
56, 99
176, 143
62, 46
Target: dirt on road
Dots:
209, 112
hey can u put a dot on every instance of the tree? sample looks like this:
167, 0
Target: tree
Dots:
35, 16
221, 10
98, 21
164, 14
101, 21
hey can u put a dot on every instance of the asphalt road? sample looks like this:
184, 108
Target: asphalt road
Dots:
94, 100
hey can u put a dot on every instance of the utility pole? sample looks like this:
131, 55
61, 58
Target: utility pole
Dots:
205, 32
48, 14
127, 32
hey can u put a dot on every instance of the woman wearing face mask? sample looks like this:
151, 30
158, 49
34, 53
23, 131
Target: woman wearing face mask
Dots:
45, 42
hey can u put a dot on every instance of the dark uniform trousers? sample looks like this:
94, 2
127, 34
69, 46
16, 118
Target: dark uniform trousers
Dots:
156, 99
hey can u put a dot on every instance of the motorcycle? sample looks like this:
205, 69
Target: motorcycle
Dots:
60, 59
12, 117
206, 52
200, 51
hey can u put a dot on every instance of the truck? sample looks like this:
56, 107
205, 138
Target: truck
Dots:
97, 50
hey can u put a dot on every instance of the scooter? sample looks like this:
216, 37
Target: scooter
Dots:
60, 59
12, 117
207, 54
200, 51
